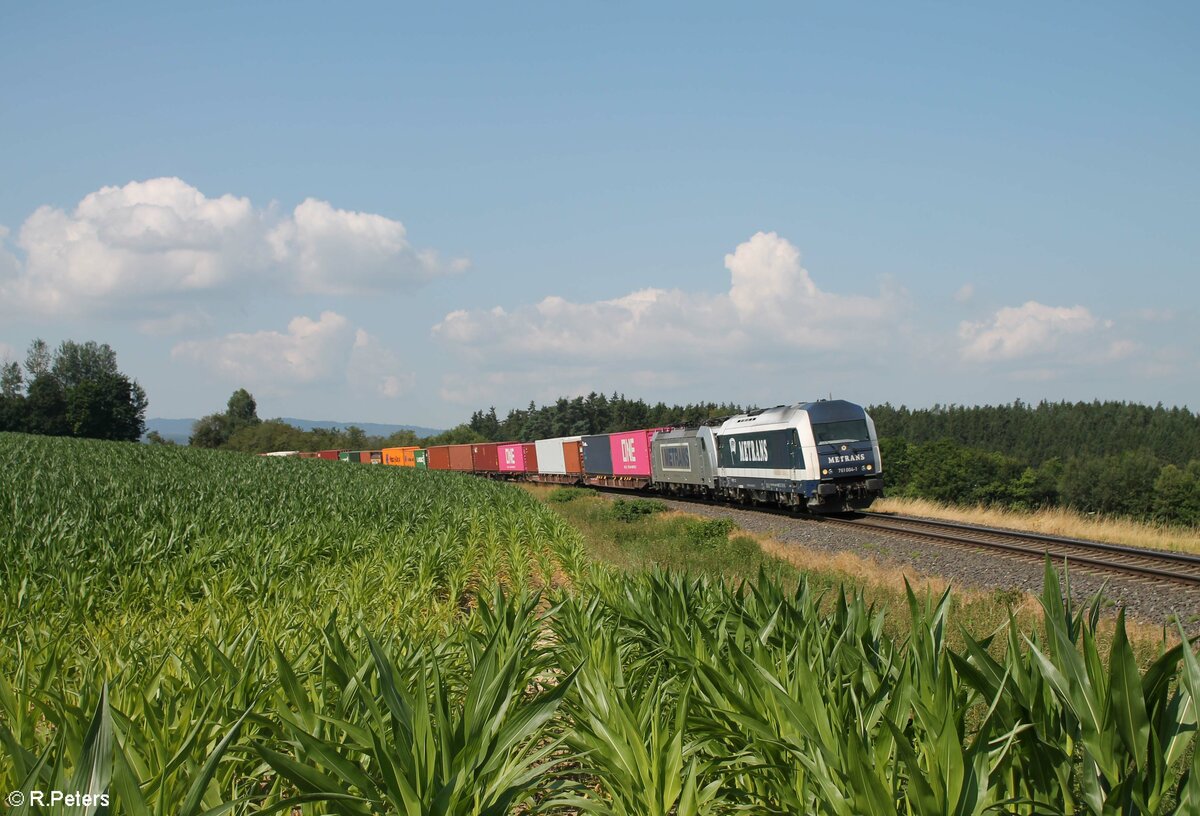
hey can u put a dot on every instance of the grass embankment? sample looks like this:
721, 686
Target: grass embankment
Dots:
202, 633
1057, 521
642, 534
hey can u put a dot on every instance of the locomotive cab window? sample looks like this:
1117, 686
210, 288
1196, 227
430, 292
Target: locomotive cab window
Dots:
830, 433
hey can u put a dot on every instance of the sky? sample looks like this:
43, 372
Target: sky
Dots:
403, 213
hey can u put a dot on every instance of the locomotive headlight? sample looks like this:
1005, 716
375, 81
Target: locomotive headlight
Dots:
825, 472
870, 467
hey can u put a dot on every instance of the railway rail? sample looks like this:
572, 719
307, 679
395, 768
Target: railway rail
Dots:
1181, 569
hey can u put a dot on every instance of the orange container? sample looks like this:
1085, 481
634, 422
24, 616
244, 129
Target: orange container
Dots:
573, 456
400, 457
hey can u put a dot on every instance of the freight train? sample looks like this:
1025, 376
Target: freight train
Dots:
822, 457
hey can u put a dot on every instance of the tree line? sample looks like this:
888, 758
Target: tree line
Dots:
1104, 457
75, 390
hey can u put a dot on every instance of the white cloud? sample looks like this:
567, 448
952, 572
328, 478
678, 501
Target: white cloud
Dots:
148, 247
338, 252
773, 306
325, 351
964, 293
1032, 329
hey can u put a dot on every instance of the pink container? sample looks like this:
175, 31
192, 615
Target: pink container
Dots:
631, 452
512, 458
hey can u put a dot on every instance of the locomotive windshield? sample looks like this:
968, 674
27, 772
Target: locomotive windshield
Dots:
831, 433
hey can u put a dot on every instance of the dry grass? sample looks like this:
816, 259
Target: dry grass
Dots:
1057, 521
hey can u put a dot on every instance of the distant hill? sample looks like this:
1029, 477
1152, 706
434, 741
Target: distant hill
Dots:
178, 430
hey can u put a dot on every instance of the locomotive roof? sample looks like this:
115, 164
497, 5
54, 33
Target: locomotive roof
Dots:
819, 411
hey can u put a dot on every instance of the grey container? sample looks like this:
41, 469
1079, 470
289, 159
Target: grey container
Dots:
684, 456
597, 456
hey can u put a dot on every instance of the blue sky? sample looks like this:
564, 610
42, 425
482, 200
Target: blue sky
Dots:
401, 214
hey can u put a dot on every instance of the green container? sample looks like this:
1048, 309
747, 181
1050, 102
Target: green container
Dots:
347, 456
419, 459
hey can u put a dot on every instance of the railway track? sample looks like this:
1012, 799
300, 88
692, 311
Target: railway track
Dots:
1157, 566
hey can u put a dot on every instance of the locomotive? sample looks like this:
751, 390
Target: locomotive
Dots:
819, 456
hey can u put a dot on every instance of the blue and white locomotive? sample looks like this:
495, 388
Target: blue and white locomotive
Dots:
818, 456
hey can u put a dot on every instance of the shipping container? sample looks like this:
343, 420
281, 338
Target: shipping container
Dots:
512, 457
630, 451
374, 457
328, 454
420, 459
439, 457
485, 457
573, 455
461, 458
310, 455
597, 455
399, 457
551, 455
348, 456
529, 452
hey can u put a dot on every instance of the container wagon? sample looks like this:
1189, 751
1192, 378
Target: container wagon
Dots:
400, 457
439, 457
461, 457
512, 458
485, 457
619, 459
558, 460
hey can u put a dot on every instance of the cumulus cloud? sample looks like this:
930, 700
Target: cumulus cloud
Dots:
150, 246
326, 350
1032, 329
772, 305
964, 293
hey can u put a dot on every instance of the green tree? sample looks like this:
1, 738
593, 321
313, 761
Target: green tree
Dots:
210, 431
37, 359
155, 438
1177, 494
46, 408
105, 406
214, 430
11, 380
241, 410
78, 363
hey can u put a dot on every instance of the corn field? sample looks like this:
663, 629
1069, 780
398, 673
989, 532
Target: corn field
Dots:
194, 632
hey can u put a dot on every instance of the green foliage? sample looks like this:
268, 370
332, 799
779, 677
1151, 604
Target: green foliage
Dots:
240, 417
1133, 484
1105, 457
629, 510
1034, 434
709, 532
76, 391
1177, 494
562, 495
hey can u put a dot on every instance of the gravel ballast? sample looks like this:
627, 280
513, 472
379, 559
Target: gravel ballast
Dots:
962, 567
